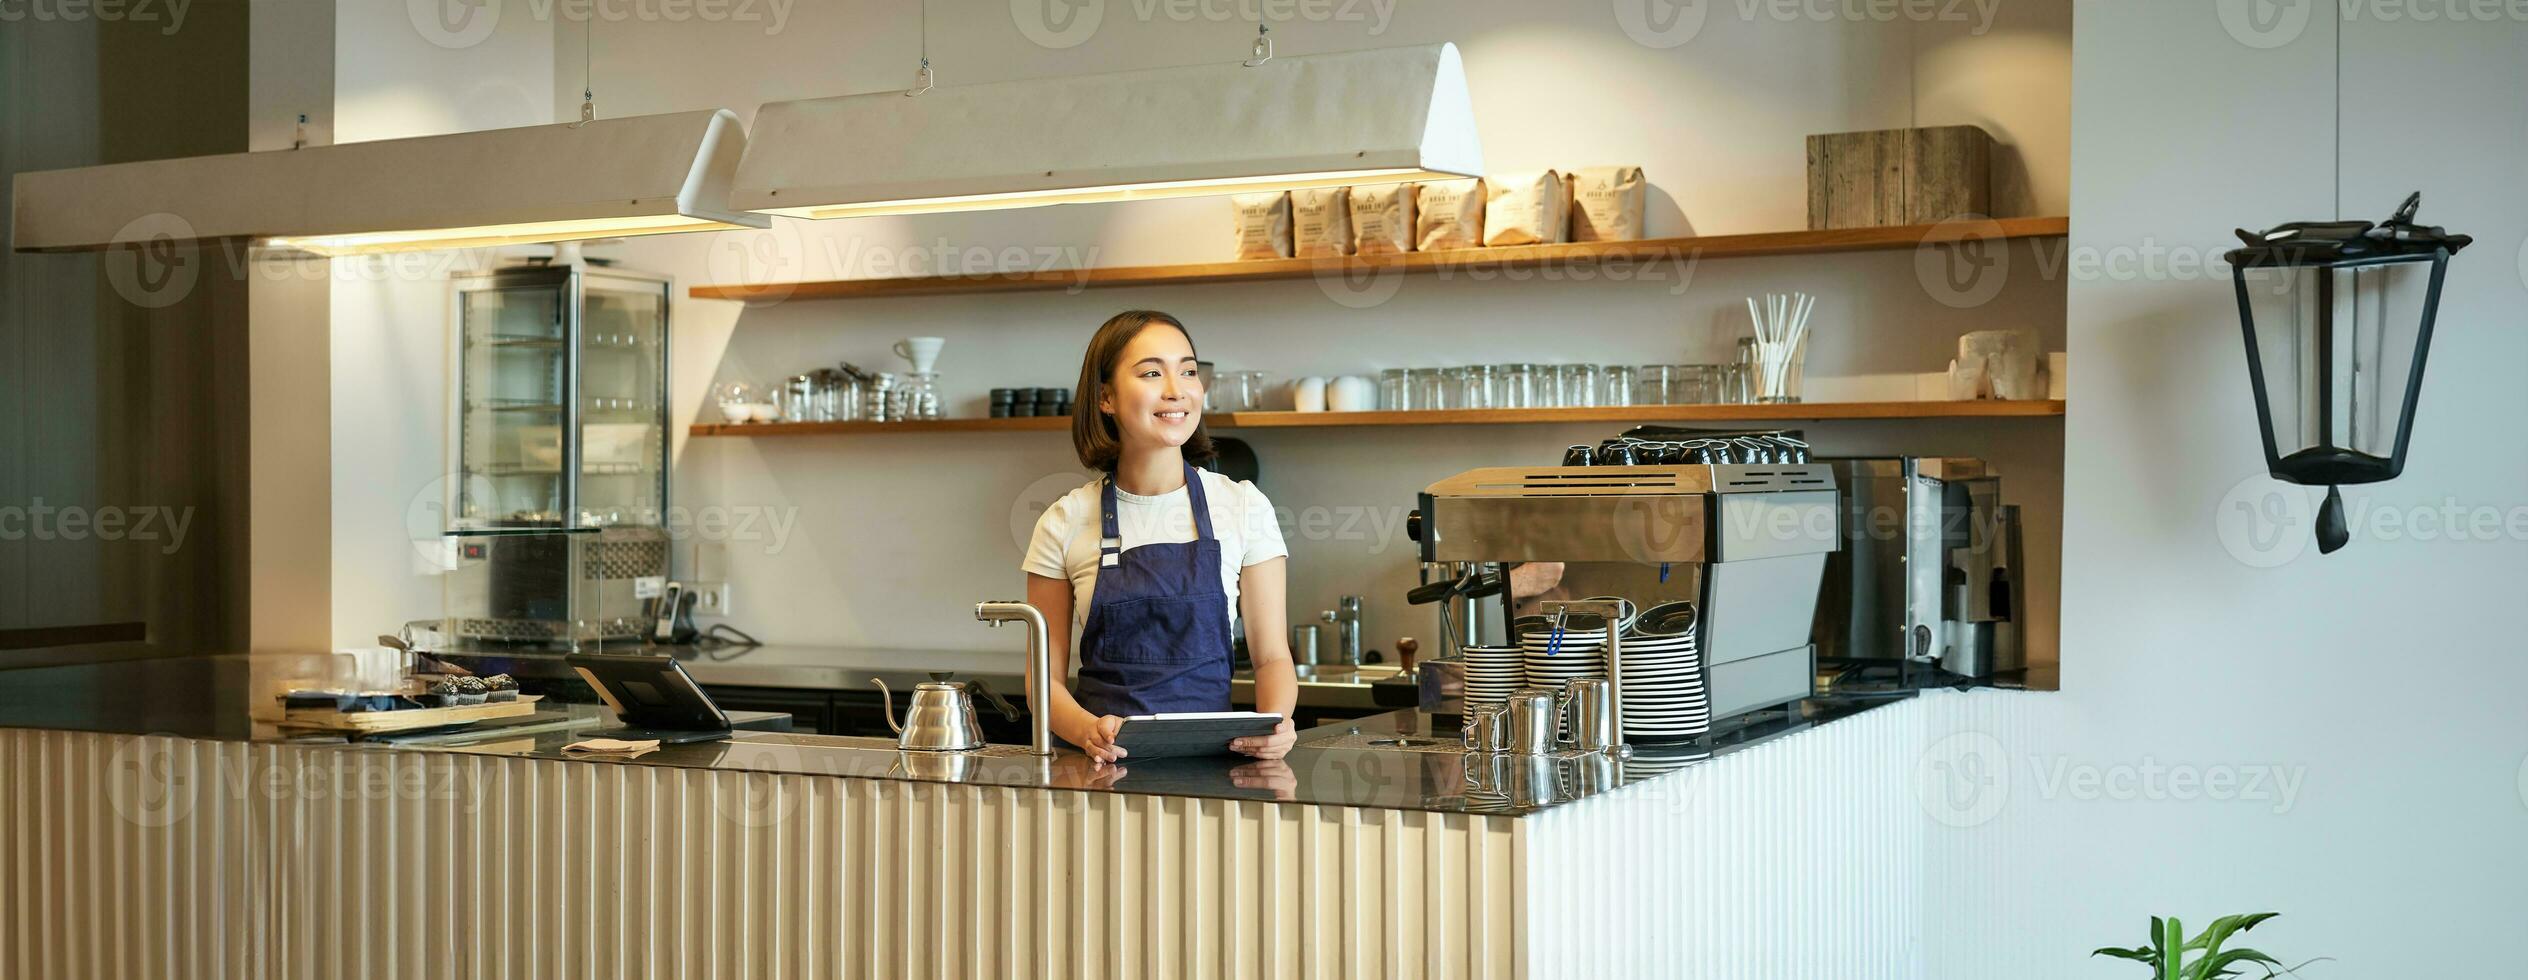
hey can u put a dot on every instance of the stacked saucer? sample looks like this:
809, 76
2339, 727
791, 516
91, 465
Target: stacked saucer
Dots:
1492, 673
1664, 699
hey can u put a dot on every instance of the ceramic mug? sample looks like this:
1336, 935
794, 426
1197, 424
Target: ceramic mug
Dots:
1308, 394
1351, 393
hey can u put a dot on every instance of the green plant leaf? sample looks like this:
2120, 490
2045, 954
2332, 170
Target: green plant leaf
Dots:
2171, 943
2139, 954
2223, 928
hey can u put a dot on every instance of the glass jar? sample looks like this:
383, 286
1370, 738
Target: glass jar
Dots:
918, 397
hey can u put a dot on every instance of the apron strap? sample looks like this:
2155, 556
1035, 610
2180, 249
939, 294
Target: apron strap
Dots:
1194, 499
1110, 543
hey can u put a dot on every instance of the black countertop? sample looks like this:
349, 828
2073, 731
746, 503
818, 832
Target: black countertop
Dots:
1391, 761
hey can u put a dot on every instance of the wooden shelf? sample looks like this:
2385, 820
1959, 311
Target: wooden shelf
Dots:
1823, 411
1457, 260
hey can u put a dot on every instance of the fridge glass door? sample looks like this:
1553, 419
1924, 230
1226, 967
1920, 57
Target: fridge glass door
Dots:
623, 396
513, 395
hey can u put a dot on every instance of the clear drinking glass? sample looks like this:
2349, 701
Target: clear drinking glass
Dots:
1654, 385
1395, 391
1616, 386
1475, 386
1507, 387
1578, 387
1241, 391
1431, 388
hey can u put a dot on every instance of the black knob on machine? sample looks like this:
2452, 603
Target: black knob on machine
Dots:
1413, 525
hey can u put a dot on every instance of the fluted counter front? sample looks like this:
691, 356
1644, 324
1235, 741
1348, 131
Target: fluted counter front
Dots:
207, 852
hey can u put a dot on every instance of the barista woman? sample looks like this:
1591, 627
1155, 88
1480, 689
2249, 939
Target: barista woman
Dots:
1152, 557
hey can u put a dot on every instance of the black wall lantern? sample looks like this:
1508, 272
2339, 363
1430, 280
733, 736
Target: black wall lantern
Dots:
2338, 318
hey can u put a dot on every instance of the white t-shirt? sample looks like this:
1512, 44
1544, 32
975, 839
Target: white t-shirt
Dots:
1065, 543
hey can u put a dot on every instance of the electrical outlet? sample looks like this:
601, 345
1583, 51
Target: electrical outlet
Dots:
713, 599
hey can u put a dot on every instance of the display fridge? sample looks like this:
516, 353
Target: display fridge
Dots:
557, 517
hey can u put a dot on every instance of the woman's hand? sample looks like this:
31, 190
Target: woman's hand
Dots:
1271, 774
1273, 746
1097, 738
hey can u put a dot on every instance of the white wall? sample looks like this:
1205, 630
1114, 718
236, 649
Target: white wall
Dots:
397, 74
2385, 675
894, 536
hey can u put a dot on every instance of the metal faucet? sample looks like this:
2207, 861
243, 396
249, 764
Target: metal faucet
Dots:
1039, 666
1614, 613
1346, 617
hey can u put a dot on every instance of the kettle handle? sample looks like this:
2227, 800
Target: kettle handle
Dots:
886, 706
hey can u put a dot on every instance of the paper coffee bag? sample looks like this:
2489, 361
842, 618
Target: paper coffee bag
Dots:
1449, 214
1606, 203
1263, 225
1321, 221
1382, 219
1524, 209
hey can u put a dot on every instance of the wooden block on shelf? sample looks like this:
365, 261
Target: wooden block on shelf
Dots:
1898, 176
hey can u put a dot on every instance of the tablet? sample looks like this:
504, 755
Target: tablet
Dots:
1166, 736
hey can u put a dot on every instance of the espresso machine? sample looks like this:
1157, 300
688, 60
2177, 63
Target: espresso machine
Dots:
1746, 543
1929, 574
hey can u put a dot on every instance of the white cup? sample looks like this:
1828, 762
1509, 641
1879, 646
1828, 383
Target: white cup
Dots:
1308, 394
921, 352
1351, 393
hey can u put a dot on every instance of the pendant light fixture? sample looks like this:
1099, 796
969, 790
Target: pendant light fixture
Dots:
610, 178
2338, 319
1360, 117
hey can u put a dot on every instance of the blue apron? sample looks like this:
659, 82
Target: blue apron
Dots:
1157, 636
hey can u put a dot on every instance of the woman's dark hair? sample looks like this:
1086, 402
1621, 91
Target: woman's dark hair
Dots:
1093, 432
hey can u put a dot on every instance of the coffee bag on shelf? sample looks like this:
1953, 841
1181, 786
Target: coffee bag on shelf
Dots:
1263, 225
1382, 218
1524, 209
1321, 221
1606, 203
1449, 214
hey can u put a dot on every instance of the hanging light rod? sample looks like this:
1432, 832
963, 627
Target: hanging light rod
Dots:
1360, 117
609, 178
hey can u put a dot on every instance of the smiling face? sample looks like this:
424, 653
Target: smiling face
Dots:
1155, 393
